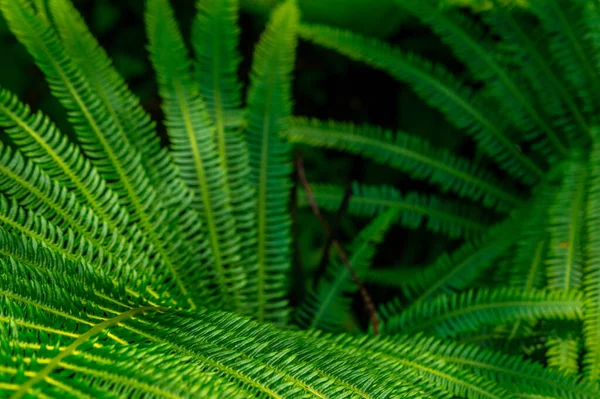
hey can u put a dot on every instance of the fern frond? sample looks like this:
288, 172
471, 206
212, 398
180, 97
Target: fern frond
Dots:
28, 252
435, 373
439, 89
131, 122
410, 154
591, 272
130, 349
169, 233
269, 108
480, 55
40, 140
569, 46
553, 94
565, 259
24, 182
566, 224
192, 144
451, 218
512, 372
527, 270
328, 304
39, 235
215, 38
449, 315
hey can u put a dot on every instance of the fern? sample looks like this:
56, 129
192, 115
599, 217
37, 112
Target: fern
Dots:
481, 57
191, 133
450, 315
440, 89
133, 269
409, 154
269, 108
452, 218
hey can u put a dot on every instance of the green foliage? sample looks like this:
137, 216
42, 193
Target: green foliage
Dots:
133, 269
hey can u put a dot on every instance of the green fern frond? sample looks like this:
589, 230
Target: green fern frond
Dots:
129, 349
50, 150
192, 144
451, 218
591, 276
439, 89
269, 108
512, 372
566, 257
527, 268
435, 373
481, 57
568, 44
566, 224
132, 123
328, 304
553, 93
28, 252
24, 182
410, 154
97, 129
450, 315
215, 38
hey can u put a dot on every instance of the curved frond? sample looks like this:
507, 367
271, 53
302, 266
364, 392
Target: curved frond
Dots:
435, 373
481, 57
92, 345
449, 315
553, 93
566, 257
410, 154
40, 140
569, 46
513, 372
131, 122
439, 89
440, 215
269, 109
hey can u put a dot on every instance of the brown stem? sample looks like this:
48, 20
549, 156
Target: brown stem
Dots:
368, 302
332, 234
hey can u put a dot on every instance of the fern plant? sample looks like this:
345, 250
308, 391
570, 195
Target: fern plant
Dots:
131, 270
533, 115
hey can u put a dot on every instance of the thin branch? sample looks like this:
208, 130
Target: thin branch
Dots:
368, 302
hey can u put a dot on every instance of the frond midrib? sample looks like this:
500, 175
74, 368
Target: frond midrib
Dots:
204, 187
